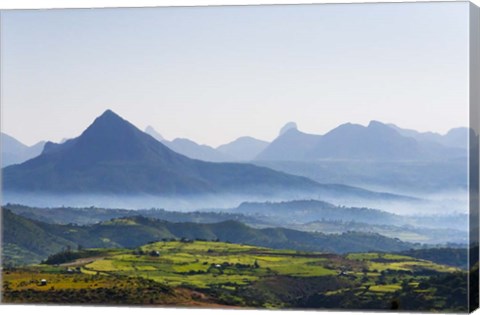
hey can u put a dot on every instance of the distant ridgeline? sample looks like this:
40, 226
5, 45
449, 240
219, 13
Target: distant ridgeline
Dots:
113, 156
27, 240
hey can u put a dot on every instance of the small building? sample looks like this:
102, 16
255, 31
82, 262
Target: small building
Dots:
154, 253
43, 282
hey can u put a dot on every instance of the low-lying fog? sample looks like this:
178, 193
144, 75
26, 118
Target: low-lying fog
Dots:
453, 202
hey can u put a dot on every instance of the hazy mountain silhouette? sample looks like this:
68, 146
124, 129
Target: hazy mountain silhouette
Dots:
15, 152
113, 156
287, 127
377, 141
456, 137
197, 151
290, 145
151, 131
190, 148
243, 148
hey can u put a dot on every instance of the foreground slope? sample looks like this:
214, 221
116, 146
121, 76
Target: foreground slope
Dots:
215, 273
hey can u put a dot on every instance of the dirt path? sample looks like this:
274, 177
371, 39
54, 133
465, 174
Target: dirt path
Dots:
82, 261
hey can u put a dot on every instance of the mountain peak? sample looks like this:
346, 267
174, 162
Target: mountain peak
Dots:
109, 115
376, 123
108, 122
288, 126
151, 131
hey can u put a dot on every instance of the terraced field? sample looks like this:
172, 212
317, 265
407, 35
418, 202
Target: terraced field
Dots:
216, 273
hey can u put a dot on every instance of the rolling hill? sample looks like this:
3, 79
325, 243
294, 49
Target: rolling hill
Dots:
41, 239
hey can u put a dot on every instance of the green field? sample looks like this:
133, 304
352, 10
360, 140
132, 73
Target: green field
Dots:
216, 273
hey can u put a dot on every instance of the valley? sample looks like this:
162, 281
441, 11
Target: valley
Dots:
205, 273
121, 216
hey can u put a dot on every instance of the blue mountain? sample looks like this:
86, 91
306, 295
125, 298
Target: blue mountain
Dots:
113, 156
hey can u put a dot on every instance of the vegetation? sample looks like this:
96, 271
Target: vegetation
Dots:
457, 257
92, 215
192, 272
302, 215
43, 239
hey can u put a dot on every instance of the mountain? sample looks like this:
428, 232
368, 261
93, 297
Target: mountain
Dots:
375, 142
151, 131
243, 148
190, 148
15, 152
42, 238
196, 151
456, 137
113, 156
287, 127
290, 145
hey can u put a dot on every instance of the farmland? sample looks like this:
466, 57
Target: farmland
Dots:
204, 273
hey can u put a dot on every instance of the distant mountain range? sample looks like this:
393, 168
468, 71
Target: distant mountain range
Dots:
15, 152
303, 215
113, 156
241, 149
455, 138
291, 145
377, 142
347, 142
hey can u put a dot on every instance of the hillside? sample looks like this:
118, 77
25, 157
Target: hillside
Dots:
27, 241
92, 215
134, 231
303, 211
202, 273
302, 215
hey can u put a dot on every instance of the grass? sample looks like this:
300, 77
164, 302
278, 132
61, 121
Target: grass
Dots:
205, 264
220, 272
385, 288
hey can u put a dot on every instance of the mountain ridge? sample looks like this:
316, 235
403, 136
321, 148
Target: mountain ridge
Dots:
375, 142
15, 152
114, 156
130, 232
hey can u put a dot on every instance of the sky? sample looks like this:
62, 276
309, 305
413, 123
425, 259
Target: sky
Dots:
213, 74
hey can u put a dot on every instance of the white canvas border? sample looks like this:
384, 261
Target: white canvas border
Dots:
93, 310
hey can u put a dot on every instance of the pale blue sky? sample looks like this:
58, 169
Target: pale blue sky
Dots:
218, 73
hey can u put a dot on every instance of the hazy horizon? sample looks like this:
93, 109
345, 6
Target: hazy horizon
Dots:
299, 127
213, 74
